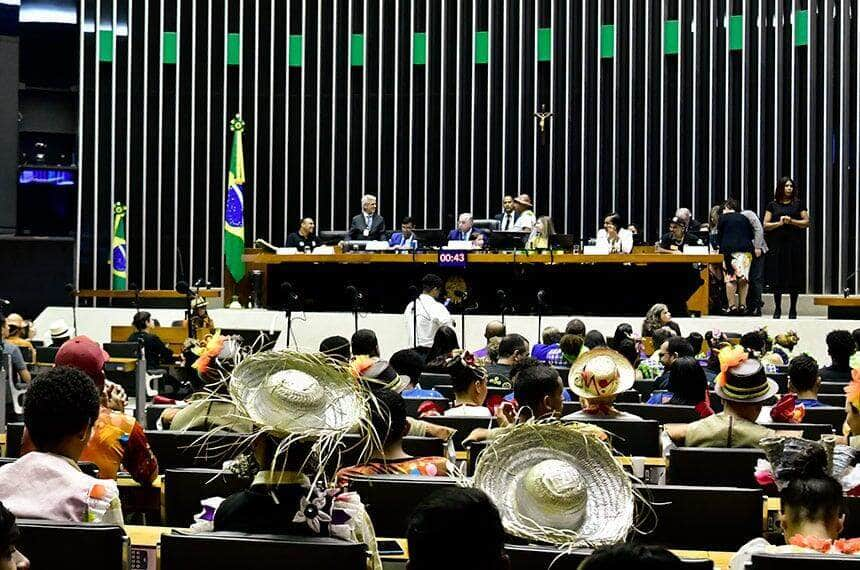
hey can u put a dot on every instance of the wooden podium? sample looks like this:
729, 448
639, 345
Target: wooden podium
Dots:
840, 307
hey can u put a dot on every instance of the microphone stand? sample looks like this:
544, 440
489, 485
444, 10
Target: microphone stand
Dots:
356, 306
293, 304
414, 294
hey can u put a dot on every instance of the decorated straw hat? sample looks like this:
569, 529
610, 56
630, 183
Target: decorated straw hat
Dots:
557, 483
600, 373
782, 451
289, 393
741, 378
199, 302
378, 374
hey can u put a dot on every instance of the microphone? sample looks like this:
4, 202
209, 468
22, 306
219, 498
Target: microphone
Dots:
287, 290
413, 292
846, 292
541, 297
182, 287
133, 287
72, 292
501, 295
5, 302
354, 293
202, 282
70, 289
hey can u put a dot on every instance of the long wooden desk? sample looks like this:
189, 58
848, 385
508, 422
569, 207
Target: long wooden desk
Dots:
514, 267
839, 306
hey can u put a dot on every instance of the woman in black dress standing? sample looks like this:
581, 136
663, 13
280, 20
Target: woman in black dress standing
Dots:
785, 220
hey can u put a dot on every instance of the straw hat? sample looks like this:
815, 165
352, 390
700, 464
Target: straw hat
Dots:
524, 199
741, 378
781, 451
600, 373
16, 320
59, 329
557, 483
199, 302
292, 393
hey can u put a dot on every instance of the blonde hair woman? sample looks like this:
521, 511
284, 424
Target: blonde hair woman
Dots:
539, 238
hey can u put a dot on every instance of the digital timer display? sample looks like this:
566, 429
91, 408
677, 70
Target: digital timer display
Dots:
452, 259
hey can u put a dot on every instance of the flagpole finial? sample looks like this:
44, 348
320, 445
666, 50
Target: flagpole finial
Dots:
237, 124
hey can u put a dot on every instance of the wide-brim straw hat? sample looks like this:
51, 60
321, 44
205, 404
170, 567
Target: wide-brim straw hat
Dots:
59, 329
289, 393
600, 365
524, 199
557, 483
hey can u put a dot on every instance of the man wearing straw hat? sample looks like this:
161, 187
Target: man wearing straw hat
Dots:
525, 216
743, 387
19, 330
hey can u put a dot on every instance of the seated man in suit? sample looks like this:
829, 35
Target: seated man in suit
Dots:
464, 229
405, 238
508, 216
305, 239
368, 225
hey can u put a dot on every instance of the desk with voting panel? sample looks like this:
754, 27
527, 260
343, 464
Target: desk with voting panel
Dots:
574, 283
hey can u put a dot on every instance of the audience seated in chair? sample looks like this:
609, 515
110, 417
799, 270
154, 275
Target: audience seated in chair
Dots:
158, 354
388, 417
840, 347
336, 347
743, 388
658, 316
597, 378
687, 387
61, 408
512, 348
470, 387
19, 334
628, 555
556, 354
812, 508
672, 349
462, 521
803, 382
408, 364
492, 330
9, 349
117, 440
364, 343
550, 337
444, 344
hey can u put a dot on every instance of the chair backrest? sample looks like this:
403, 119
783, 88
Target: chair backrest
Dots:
534, 557
153, 412
173, 337
852, 516
631, 437
810, 431
485, 224
570, 407
430, 380
826, 415
463, 425
665, 413
179, 449
644, 387
765, 561
700, 518
390, 499
413, 445
27, 353
474, 449
837, 400
185, 488
121, 349
229, 550
832, 388
14, 438
629, 397
51, 544
448, 391
46, 354
713, 466
412, 404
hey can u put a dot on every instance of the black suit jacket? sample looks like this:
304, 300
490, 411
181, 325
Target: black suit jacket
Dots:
501, 216
377, 228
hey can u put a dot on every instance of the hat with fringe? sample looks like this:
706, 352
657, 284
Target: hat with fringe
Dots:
292, 393
600, 373
557, 483
378, 374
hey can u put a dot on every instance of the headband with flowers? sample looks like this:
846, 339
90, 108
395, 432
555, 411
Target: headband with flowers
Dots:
730, 357
852, 390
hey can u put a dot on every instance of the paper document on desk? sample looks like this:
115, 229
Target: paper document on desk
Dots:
696, 250
276, 250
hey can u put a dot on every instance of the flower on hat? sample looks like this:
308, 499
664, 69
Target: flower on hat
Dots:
788, 410
208, 352
730, 357
852, 390
360, 365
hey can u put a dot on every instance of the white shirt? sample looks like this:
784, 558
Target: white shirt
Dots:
625, 237
507, 222
469, 412
526, 221
431, 315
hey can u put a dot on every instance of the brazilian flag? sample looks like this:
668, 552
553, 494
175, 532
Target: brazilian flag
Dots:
119, 253
234, 211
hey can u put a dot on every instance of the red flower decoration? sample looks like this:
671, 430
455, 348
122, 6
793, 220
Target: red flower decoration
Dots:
821, 545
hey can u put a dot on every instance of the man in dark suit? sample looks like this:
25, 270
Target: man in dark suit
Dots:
508, 216
464, 229
368, 225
